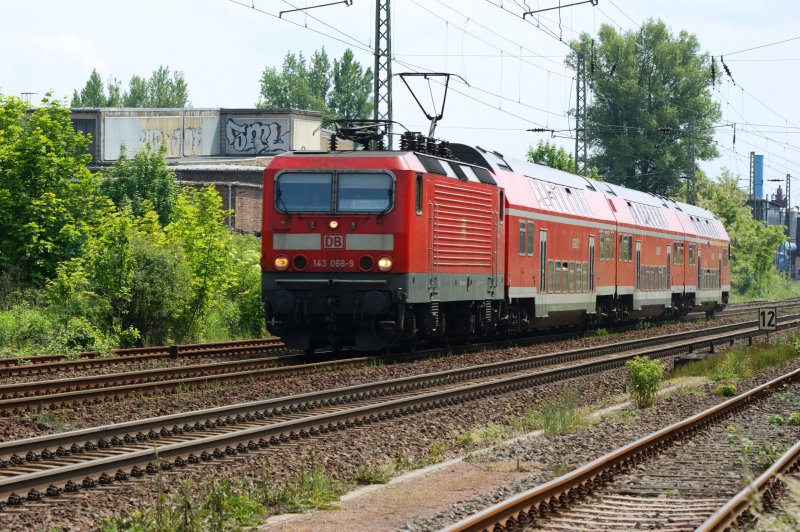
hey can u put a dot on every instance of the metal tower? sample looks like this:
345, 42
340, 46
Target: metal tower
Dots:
382, 96
580, 114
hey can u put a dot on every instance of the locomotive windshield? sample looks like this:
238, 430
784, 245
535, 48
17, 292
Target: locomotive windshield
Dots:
313, 192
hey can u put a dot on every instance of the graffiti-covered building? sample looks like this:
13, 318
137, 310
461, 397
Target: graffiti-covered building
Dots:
228, 148
199, 133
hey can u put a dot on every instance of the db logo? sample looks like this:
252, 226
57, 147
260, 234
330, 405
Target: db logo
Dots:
332, 241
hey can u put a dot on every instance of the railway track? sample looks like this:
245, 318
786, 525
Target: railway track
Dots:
766, 488
34, 468
90, 389
677, 478
59, 363
42, 364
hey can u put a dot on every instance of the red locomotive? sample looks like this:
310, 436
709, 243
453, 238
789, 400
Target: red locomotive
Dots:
373, 248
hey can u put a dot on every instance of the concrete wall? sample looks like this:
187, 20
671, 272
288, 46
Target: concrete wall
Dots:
192, 133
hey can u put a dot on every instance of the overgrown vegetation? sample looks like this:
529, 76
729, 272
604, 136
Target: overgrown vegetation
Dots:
482, 436
726, 390
740, 362
91, 262
232, 504
645, 377
560, 415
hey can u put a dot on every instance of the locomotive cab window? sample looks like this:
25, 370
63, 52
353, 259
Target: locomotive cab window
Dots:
303, 192
313, 192
364, 192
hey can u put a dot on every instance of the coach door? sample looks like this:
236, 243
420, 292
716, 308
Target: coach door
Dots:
542, 260
699, 269
638, 264
591, 264
669, 267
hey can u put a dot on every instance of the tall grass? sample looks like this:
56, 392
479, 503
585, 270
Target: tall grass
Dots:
740, 362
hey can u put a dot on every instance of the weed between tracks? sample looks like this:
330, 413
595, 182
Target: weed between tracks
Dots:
232, 504
741, 362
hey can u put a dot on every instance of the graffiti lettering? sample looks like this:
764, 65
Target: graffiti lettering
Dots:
256, 137
192, 139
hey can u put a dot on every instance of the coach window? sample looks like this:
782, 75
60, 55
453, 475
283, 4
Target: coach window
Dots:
522, 237
725, 257
620, 248
571, 276
303, 192
564, 276
602, 245
530, 238
586, 276
691, 255
550, 276
419, 194
610, 243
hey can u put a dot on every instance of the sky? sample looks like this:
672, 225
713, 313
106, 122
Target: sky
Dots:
514, 68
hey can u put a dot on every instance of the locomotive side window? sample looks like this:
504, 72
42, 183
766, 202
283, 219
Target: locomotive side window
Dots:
303, 192
522, 237
364, 192
419, 194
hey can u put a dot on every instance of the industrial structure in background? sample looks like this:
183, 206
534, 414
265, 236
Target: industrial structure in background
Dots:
227, 148
775, 209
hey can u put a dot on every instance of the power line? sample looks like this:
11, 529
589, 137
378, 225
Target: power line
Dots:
763, 45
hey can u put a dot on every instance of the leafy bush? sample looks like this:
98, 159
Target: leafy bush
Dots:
794, 419
726, 390
776, 419
645, 375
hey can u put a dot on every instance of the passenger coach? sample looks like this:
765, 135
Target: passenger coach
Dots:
374, 249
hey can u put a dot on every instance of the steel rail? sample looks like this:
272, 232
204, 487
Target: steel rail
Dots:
34, 395
177, 454
88, 358
345, 394
736, 512
529, 505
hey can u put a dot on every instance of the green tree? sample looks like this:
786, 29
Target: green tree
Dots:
93, 93
46, 191
652, 101
341, 90
136, 95
291, 87
198, 227
352, 87
142, 183
549, 154
753, 244
109, 262
159, 90
164, 90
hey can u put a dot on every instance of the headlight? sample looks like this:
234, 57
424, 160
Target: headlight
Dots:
281, 262
385, 264
333, 224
